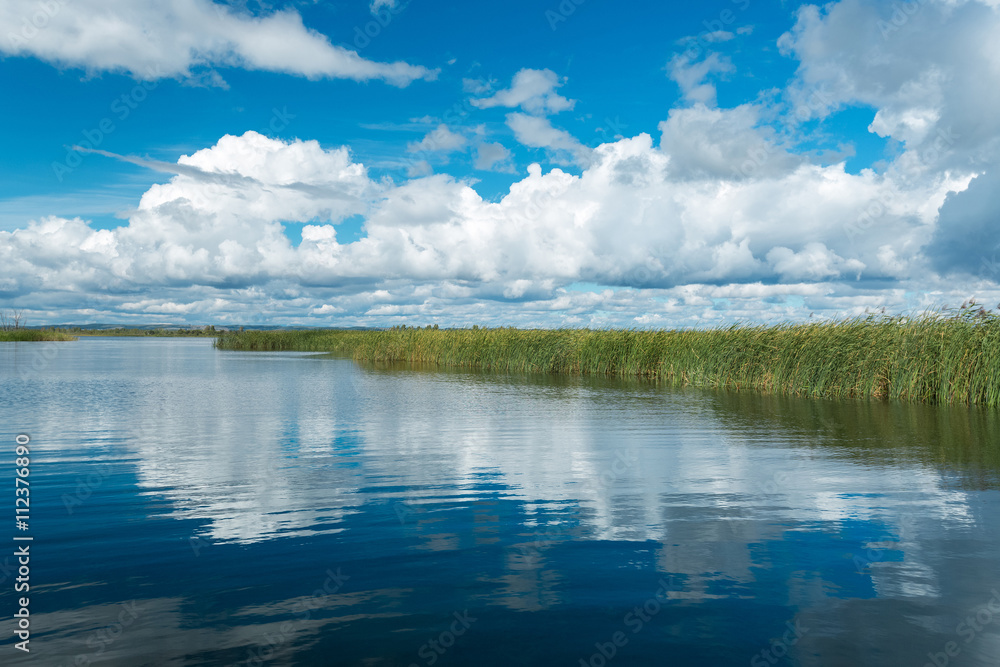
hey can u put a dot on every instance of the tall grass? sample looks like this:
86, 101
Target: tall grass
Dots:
931, 358
33, 335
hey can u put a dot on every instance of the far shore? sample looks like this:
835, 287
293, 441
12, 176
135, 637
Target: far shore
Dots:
72, 333
33, 335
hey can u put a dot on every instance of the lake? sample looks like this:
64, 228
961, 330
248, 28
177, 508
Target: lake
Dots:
197, 507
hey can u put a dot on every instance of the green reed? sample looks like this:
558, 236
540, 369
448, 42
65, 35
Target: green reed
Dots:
23, 335
934, 358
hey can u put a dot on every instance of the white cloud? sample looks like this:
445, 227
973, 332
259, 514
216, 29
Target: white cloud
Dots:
531, 89
814, 262
722, 143
478, 86
214, 232
419, 168
932, 74
967, 237
718, 36
690, 75
539, 133
177, 38
441, 140
492, 156
929, 73
718, 220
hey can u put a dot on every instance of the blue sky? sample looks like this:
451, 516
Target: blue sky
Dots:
534, 164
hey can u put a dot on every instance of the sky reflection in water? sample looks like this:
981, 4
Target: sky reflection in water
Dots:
306, 510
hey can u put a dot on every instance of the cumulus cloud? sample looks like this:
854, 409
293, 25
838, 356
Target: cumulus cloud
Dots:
490, 156
928, 73
216, 225
216, 222
419, 168
531, 89
539, 132
718, 218
723, 143
814, 262
439, 140
691, 75
931, 71
967, 237
177, 38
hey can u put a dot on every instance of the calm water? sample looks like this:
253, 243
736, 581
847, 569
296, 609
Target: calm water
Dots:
197, 507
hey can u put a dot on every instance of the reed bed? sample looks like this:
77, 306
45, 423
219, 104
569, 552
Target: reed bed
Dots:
931, 358
23, 335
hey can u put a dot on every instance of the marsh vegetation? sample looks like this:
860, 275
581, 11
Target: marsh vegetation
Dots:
27, 335
13, 327
942, 357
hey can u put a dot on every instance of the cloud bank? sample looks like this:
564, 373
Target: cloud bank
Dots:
716, 218
179, 38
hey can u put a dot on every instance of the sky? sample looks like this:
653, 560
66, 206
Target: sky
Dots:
573, 163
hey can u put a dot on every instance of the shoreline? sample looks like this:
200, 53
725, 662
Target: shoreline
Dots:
928, 359
61, 333
33, 335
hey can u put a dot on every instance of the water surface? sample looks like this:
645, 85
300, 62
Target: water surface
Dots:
198, 507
